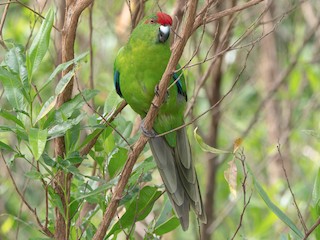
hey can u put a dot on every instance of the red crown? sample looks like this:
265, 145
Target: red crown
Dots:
164, 19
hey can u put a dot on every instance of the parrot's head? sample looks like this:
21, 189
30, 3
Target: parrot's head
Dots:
154, 28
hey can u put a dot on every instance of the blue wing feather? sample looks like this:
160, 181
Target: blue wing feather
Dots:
179, 85
116, 80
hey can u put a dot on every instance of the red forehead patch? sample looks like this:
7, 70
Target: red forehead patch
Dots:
164, 19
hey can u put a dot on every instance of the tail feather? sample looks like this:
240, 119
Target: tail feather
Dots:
179, 176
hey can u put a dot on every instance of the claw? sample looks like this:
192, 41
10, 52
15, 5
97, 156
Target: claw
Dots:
156, 91
149, 134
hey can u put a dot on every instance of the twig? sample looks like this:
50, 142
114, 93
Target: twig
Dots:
282, 76
3, 19
290, 189
313, 227
246, 202
199, 20
217, 103
34, 211
86, 149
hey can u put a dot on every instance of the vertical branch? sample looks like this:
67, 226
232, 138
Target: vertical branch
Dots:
63, 181
3, 19
273, 111
214, 95
91, 81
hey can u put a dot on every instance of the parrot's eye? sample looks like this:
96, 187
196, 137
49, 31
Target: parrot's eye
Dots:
152, 21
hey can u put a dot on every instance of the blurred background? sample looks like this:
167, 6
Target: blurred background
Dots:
263, 61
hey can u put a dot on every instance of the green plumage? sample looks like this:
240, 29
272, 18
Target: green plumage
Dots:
139, 67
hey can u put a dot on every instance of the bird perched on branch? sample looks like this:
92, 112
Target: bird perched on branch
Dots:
138, 68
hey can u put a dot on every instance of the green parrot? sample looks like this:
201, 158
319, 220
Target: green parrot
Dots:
138, 68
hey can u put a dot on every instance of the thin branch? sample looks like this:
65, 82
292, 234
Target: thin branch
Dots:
34, 211
313, 227
246, 202
3, 19
86, 149
217, 103
282, 76
290, 189
199, 20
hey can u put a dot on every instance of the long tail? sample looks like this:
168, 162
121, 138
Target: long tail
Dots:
179, 176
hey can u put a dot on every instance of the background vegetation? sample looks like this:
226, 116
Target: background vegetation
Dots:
251, 66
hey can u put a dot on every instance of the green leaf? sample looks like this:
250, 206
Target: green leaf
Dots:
5, 147
56, 201
281, 215
12, 89
139, 208
61, 67
48, 160
60, 128
140, 168
316, 191
98, 190
206, 147
166, 221
40, 44
11, 117
16, 61
77, 102
116, 161
35, 175
112, 102
63, 83
169, 225
47, 107
37, 140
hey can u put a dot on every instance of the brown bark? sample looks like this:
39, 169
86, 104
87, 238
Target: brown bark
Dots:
273, 110
214, 96
62, 181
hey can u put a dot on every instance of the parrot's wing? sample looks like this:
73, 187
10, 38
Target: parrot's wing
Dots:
187, 173
164, 157
116, 73
179, 176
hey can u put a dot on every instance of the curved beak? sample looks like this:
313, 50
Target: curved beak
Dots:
164, 33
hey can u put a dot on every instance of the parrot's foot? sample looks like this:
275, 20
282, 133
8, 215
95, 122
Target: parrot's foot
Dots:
156, 91
147, 133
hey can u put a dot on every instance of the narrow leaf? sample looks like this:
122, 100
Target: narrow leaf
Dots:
12, 89
11, 117
35, 175
37, 141
61, 67
316, 190
166, 221
62, 84
231, 177
116, 161
46, 108
40, 44
5, 147
16, 61
60, 128
139, 208
281, 215
206, 147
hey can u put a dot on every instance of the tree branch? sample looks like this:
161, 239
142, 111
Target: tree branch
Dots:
63, 181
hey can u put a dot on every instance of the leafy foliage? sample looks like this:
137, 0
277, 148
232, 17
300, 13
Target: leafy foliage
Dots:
31, 82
